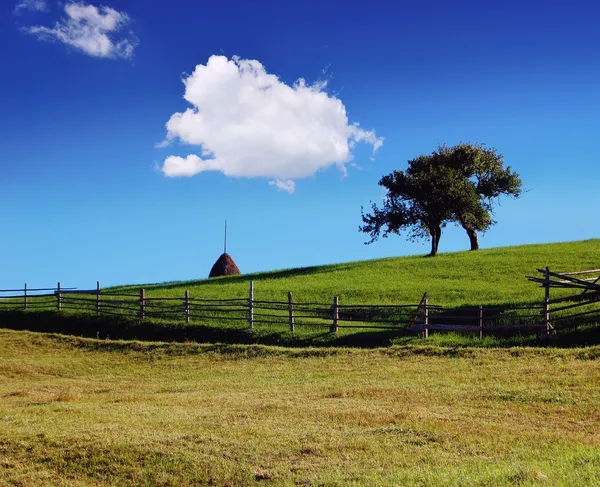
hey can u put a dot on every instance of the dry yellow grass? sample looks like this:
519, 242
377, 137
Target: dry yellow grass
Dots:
86, 412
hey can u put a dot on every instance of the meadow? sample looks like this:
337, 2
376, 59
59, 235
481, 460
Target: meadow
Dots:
486, 277
379, 408
77, 411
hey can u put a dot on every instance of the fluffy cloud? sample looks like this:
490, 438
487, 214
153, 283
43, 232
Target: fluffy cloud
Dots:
91, 30
247, 123
31, 5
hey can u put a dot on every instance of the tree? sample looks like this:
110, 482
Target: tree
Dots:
480, 179
415, 201
459, 184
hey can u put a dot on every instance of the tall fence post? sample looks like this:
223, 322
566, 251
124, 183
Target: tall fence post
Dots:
547, 301
291, 311
142, 303
425, 319
251, 306
187, 307
25, 297
58, 304
97, 297
547, 316
336, 315
480, 321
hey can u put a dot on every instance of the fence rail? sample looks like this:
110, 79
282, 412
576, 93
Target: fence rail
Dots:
419, 318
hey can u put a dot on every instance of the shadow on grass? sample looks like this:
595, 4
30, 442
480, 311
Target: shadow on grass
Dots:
119, 328
103, 327
584, 333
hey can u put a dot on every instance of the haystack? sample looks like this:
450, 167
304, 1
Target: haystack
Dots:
224, 266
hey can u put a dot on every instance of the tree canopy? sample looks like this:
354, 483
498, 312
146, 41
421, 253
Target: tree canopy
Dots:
459, 184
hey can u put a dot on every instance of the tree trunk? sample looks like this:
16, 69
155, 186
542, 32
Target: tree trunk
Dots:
436, 233
471, 232
473, 238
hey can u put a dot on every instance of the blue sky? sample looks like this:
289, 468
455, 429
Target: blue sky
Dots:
88, 88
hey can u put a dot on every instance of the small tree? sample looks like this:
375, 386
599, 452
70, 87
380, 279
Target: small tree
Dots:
458, 184
414, 201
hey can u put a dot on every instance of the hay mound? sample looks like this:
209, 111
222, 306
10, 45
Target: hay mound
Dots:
224, 266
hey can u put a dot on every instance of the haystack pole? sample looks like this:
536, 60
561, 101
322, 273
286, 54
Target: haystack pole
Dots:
225, 265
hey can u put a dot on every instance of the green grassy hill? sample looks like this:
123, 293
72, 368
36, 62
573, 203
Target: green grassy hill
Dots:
461, 279
492, 276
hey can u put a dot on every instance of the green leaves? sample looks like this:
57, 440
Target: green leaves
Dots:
459, 184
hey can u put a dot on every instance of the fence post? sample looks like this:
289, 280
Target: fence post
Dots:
97, 297
25, 297
291, 311
142, 304
426, 319
547, 315
187, 307
547, 301
251, 306
480, 321
58, 297
336, 315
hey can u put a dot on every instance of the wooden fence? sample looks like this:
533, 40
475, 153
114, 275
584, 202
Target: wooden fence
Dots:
586, 295
333, 316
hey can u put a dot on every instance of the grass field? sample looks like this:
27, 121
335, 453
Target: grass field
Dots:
488, 276
77, 411
452, 411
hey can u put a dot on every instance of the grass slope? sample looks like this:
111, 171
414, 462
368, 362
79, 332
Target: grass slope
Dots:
77, 412
486, 277
489, 276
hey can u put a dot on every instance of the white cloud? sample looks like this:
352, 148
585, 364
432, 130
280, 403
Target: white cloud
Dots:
248, 123
288, 186
91, 30
31, 5
162, 144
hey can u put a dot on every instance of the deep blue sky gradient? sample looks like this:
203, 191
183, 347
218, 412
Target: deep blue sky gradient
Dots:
82, 200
